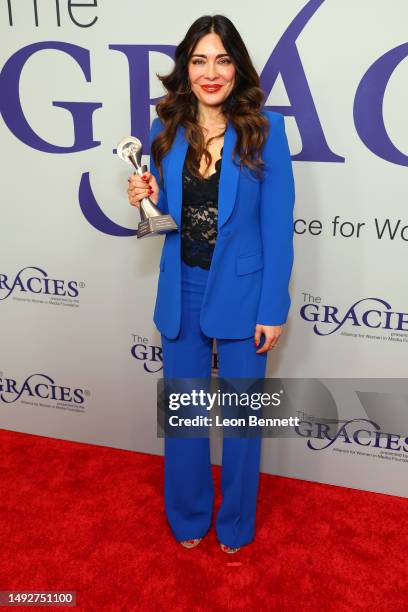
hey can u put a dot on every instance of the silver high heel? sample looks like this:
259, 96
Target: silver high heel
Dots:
228, 549
191, 543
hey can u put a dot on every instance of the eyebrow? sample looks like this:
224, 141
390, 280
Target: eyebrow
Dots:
202, 55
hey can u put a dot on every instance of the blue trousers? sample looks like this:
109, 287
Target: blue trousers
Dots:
188, 484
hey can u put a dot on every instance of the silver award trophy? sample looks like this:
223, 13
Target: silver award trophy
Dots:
153, 221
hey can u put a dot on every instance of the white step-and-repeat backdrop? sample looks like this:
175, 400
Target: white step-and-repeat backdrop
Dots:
80, 356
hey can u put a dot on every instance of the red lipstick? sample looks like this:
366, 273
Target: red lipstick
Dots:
211, 88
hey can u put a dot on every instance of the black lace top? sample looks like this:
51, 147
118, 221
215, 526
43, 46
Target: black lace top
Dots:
199, 217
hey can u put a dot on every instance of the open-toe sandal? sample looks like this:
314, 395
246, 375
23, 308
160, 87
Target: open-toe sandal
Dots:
191, 543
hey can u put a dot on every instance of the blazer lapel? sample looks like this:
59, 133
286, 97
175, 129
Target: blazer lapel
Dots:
228, 182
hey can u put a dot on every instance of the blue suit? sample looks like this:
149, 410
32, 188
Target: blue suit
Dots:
247, 283
253, 255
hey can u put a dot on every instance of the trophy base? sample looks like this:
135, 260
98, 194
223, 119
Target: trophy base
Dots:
156, 225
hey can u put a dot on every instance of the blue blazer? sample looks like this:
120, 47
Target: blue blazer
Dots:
248, 280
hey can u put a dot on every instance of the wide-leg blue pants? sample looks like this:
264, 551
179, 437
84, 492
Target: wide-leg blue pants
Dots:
188, 484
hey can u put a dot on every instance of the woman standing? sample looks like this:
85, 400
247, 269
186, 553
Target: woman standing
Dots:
221, 167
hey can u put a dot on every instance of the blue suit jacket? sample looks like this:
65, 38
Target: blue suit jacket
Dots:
248, 281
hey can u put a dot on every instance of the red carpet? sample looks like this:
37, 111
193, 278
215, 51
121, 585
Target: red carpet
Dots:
91, 519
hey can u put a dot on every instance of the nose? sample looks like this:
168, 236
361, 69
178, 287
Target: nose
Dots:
211, 71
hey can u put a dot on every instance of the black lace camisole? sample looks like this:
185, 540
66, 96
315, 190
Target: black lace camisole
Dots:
199, 217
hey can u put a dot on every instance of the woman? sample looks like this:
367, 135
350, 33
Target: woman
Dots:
221, 167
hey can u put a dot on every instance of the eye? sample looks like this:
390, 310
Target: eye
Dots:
222, 61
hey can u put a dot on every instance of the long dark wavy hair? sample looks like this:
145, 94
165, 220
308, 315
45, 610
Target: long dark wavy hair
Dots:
242, 107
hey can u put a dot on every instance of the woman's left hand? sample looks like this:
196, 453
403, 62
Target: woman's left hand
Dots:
272, 334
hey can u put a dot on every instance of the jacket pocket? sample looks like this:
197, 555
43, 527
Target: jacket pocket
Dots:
245, 264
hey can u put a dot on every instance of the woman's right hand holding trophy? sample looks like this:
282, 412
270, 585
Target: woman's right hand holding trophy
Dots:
142, 187
144, 192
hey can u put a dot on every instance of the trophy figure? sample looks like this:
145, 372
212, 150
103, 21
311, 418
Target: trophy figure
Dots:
153, 221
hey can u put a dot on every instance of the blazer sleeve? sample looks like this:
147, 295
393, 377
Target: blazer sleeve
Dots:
156, 128
276, 218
